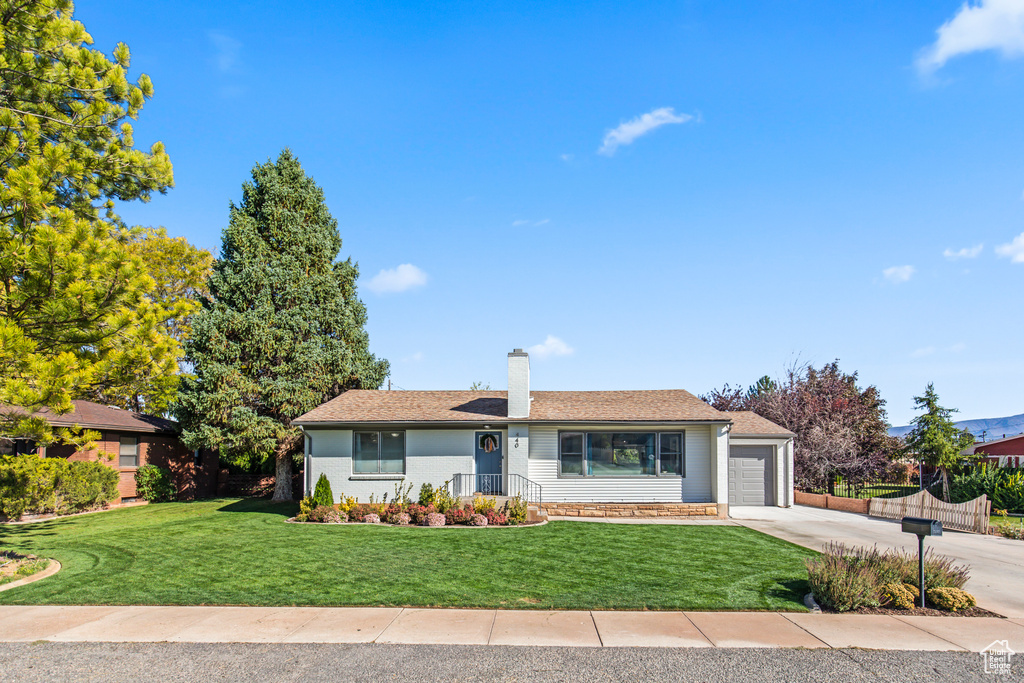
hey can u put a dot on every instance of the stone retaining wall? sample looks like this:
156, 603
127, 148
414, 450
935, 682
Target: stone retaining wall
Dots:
664, 510
817, 500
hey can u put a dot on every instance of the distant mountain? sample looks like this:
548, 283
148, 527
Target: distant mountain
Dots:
987, 429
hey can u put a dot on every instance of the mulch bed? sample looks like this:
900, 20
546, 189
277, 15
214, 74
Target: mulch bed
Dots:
918, 612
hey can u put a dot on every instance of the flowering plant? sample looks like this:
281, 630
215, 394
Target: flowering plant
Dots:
434, 519
478, 520
371, 518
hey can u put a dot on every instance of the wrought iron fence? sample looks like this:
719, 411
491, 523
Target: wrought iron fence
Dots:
494, 485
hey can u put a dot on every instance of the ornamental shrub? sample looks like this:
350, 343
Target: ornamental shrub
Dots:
458, 516
950, 599
897, 596
515, 510
306, 506
154, 484
443, 499
419, 512
371, 518
483, 505
402, 519
326, 514
434, 519
426, 495
841, 582
346, 505
495, 518
322, 494
30, 484
478, 520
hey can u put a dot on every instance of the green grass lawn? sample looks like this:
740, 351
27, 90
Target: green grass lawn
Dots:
231, 552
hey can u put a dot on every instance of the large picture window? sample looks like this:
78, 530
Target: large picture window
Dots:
621, 454
378, 453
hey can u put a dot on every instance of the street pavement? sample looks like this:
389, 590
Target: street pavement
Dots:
280, 663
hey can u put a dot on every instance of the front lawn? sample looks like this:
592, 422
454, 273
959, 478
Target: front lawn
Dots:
240, 552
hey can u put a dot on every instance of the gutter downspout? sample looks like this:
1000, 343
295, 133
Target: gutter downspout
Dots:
307, 452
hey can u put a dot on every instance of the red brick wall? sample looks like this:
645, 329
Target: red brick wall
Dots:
828, 502
163, 451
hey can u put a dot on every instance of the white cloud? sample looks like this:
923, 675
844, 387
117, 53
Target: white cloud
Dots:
536, 224
966, 252
552, 346
1014, 250
629, 131
898, 274
227, 50
987, 25
404, 277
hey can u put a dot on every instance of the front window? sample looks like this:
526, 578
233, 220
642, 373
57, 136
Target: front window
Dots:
621, 454
128, 452
379, 453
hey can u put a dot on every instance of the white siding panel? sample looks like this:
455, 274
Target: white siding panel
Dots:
695, 487
431, 456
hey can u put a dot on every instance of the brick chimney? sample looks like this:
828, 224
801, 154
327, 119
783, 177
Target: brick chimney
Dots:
518, 384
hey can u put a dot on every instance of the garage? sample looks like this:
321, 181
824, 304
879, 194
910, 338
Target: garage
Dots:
751, 475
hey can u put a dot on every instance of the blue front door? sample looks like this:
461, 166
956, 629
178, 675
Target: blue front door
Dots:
488, 463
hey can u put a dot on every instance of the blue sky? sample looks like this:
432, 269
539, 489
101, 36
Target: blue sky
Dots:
649, 194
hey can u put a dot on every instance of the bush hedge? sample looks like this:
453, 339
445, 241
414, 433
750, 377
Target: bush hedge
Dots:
34, 485
1004, 486
154, 484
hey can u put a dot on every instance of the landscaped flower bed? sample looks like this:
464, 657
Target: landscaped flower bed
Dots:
870, 581
433, 508
14, 567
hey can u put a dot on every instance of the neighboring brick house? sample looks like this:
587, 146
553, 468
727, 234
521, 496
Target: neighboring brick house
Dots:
134, 440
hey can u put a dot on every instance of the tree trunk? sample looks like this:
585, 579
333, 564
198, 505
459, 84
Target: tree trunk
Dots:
945, 484
283, 474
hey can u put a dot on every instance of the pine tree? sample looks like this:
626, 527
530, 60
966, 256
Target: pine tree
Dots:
935, 439
75, 310
282, 330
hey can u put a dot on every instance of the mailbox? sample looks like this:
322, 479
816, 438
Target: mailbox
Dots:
922, 527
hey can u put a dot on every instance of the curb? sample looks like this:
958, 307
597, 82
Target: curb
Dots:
52, 569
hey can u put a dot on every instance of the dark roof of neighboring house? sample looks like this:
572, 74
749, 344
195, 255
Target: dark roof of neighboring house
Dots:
97, 416
746, 423
375, 406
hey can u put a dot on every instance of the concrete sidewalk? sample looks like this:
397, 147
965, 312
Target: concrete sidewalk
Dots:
501, 627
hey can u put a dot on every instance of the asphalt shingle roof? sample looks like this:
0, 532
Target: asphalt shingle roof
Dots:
367, 405
746, 423
92, 415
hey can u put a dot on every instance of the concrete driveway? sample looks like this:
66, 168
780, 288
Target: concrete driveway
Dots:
997, 564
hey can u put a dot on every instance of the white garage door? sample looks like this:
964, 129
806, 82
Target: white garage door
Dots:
751, 480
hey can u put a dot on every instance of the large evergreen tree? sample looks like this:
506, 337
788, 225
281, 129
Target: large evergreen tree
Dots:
75, 304
282, 330
935, 439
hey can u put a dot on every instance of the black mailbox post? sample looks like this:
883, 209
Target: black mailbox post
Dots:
921, 527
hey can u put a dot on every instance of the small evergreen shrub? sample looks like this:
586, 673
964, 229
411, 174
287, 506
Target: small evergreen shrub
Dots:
402, 519
458, 516
371, 518
426, 495
478, 520
154, 484
306, 506
950, 599
322, 494
495, 518
434, 519
444, 500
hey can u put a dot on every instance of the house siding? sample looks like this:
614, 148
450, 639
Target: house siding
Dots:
695, 487
431, 456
